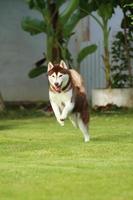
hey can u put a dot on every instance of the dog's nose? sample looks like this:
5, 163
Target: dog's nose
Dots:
57, 84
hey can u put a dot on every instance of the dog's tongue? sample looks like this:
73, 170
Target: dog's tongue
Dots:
58, 89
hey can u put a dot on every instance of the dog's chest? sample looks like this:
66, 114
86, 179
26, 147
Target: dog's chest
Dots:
60, 98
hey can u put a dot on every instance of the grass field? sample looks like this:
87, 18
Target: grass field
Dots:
39, 160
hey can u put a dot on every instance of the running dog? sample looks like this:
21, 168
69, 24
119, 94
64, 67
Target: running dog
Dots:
68, 97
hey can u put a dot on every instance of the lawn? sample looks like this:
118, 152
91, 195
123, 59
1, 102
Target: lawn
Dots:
39, 160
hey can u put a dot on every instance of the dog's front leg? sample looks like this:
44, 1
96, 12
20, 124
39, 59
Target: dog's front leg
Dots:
57, 113
67, 109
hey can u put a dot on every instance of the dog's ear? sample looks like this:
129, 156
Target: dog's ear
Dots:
63, 64
50, 66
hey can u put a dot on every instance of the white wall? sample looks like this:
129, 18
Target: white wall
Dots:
18, 52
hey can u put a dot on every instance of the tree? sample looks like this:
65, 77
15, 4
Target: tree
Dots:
105, 12
126, 25
2, 106
120, 74
58, 26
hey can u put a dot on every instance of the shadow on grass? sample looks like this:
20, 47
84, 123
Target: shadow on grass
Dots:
113, 138
7, 127
21, 114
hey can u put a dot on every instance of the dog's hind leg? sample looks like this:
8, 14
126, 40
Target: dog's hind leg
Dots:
84, 129
73, 119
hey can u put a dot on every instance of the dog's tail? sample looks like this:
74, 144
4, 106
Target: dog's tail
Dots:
85, 112
81, 106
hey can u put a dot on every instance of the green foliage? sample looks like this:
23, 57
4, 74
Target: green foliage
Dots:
40, 68
122, 50
51, 25
105, 11
64, 17
119, 69
37, 71
36, 4
129, 7
86, 51
33, 26
68, 28
58, 25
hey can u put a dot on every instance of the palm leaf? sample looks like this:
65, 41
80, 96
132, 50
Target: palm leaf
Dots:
71, 23
69, 10
31, 3
33, 26
86, 51
37, 71
60, 2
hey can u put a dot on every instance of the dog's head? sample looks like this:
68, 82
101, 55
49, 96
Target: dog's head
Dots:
58, 75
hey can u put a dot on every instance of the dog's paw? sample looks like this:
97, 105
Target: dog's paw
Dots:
87, 139
61, 122
62, 119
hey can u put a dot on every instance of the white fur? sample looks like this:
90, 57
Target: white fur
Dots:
78, 123
83, 129
63, 64
50, 66
61, 104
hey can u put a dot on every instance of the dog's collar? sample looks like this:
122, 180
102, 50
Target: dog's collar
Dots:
66, 88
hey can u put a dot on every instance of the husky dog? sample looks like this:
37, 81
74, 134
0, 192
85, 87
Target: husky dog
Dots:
68, 97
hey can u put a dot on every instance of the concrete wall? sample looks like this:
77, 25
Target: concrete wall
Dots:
18, 52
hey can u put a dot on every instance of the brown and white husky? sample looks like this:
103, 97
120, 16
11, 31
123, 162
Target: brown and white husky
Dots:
68, 97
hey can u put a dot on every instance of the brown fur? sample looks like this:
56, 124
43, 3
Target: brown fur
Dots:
79, 96
81, 105
77, 80
57, 69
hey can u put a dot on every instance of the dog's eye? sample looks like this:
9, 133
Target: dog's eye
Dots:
60, 75
53, 76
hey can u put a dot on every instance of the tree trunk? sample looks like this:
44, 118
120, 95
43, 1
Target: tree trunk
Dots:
2, 106
107, 67
54, 43
106, 56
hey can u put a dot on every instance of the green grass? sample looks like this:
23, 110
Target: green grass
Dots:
39, 160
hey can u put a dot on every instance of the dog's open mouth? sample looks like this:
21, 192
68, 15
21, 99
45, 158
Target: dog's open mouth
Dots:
58, 88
